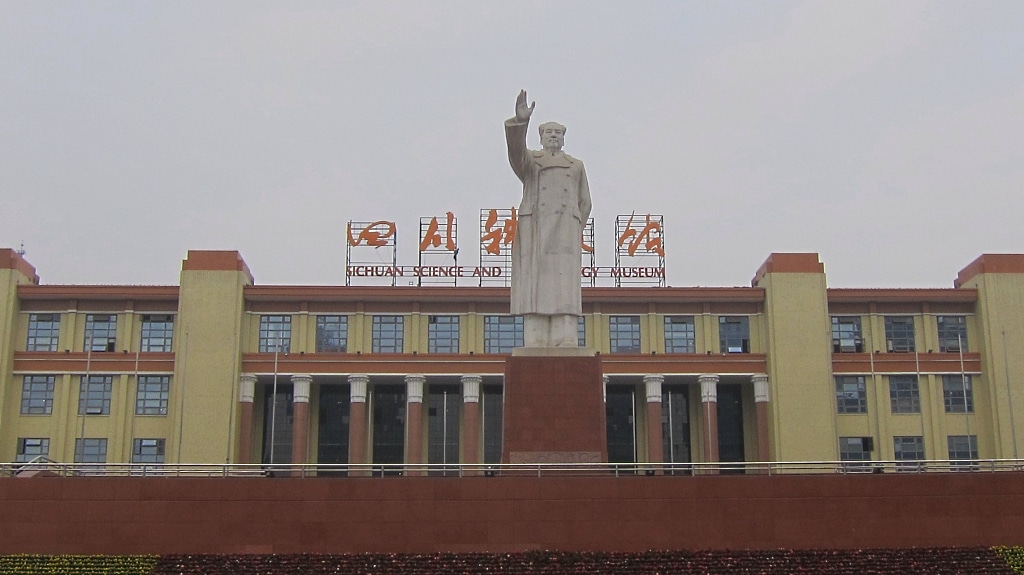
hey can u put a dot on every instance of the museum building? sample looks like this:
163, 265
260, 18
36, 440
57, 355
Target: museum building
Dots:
221, 369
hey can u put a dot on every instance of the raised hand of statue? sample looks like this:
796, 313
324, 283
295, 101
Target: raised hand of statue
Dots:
523, 111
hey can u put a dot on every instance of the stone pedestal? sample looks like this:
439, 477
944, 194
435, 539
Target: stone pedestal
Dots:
554, 407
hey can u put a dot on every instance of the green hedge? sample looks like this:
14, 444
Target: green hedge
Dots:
1014, 557
77, 564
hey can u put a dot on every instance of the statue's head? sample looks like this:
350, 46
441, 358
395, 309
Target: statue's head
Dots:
552, 135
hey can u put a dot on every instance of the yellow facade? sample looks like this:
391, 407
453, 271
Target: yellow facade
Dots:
908, 399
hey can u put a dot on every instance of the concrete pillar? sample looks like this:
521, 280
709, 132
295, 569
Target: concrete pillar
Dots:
760, 381
246, 391
357, 420
300, 418
652, 387
414, 423
709, 410
471, 421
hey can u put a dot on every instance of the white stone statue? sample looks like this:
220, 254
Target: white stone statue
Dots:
546, 249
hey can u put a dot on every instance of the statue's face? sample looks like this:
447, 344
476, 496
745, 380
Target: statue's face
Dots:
552, 137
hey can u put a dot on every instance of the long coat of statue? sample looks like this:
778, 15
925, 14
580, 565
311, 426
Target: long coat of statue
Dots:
546, 248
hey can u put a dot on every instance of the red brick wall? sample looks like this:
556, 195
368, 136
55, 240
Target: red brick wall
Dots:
422, 514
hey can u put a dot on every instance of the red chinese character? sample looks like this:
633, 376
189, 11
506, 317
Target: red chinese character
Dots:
653, 244
433, 237
495, 232
371, 236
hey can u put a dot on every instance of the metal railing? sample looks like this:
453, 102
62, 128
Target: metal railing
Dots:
46, 467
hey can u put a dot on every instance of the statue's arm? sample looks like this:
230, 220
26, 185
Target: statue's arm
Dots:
518, 154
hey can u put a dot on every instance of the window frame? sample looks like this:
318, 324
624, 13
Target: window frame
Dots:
157, 333
98, 447
443, 333
904, 394
846, 404
898, 339
331, 333
38, 333
947, 331
100, 339
499, 337
29, 394
22, 455
726, 338
680, 340
624, 334
86, 391
152, 401
381, 333
275, 327
905, 463
853, 334
148, 450
957, 393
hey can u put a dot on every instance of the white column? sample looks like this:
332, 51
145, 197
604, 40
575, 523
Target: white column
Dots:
246, 387
708, 387
471, 388
652, 385
760, 387
414, 387
357, 383
300, 387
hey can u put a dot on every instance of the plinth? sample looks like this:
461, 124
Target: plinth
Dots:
554, 407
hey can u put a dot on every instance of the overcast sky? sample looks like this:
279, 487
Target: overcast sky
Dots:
887, 136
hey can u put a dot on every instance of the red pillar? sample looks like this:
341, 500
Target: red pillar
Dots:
709, 422
414, 424
655, 445
246, 390
761, 403
357, 423
471, 423
300, 420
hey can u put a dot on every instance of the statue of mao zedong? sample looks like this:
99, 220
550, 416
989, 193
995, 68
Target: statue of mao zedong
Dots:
546, 250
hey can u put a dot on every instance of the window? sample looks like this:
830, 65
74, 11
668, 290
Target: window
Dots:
679, 334
443, 334
157, 332
851, 394
331, 333
904, 396
581, 331
43, 332
492, 397
846, 337
151, 397
30, 448
147, 451
388, 333
94, 395
962, 447
37, 395
734, 334
952, 333
855, 448
908, 448
957, 394
624, 333
100, 332
91, 450
899, 334
502, 333
275, 333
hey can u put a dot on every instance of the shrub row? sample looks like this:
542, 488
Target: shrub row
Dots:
941, 561
77, 564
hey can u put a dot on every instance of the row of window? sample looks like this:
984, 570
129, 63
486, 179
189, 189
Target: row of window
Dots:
899, 334
904, 394
501, 334
100, 332
94, 394
908, 448
91, 449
